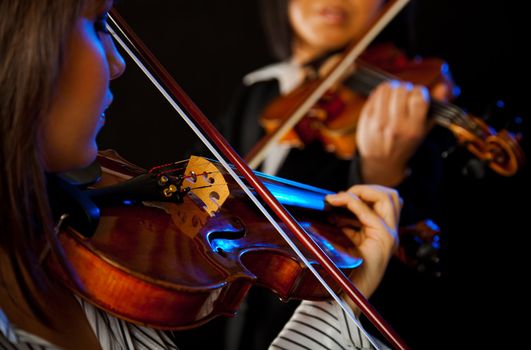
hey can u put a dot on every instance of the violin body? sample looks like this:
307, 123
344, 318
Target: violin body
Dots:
333, 120
176, 265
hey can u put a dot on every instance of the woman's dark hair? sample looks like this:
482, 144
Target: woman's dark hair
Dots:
278, 31
34, 35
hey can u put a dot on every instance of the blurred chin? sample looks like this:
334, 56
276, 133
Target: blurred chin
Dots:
89, 156
73, 161
331, 46
331, 41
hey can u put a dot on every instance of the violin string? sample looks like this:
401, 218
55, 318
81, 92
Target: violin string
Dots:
218, 156
287, 182
462, 118
446, 116
368, 78
116, 173
165, 165
207, 186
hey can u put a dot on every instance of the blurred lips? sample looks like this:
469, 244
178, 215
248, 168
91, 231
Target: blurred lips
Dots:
333, 14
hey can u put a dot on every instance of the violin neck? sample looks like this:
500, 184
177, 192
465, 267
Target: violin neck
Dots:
445, 114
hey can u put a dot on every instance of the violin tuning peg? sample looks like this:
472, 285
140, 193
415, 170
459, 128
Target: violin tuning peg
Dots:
163, 180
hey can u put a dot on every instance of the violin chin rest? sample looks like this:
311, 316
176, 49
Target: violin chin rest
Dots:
83, 177
67, 199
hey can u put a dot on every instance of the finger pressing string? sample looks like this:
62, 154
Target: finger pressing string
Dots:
386, 201
357, 206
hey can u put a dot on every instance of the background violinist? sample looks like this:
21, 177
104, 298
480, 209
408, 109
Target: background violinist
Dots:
390, 137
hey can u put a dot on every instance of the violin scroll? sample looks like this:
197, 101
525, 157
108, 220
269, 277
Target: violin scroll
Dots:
501, 151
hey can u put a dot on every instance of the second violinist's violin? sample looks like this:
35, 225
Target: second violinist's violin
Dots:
333, 119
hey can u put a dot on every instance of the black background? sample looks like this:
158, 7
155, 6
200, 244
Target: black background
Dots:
208, 45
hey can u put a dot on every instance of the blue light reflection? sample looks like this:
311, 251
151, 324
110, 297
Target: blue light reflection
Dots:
296, 197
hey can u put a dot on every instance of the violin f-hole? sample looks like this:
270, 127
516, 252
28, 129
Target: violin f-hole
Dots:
224, 239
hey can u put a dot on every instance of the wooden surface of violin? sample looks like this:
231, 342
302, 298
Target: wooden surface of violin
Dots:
180, 244
178, 263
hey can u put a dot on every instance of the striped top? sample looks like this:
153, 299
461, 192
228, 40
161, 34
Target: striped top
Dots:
314, 325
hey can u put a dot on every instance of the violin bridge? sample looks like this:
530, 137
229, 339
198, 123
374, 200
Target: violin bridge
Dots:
206, 182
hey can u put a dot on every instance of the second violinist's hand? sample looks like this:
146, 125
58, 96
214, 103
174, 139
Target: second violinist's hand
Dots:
391, 127
378, 210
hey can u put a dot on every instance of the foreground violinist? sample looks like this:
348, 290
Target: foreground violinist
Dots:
56, 64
